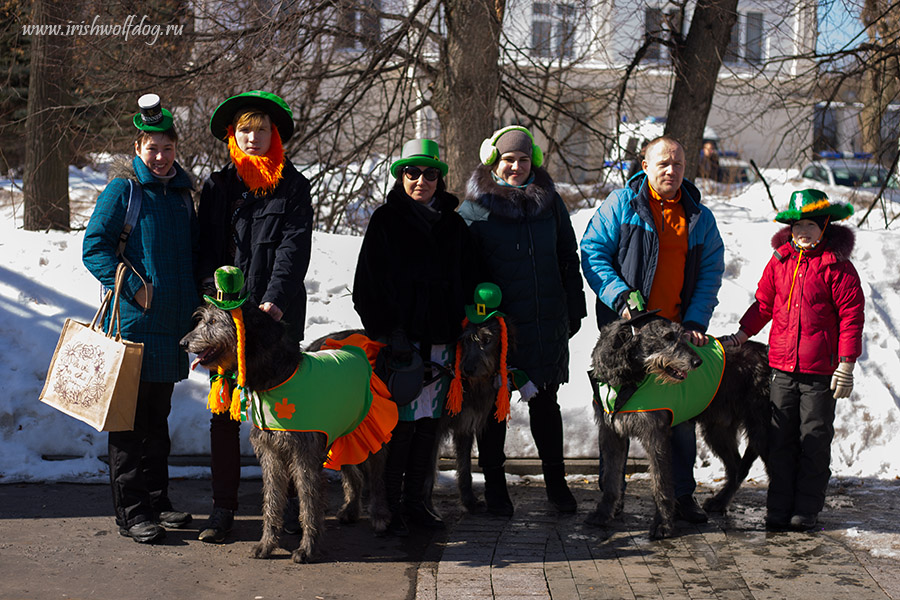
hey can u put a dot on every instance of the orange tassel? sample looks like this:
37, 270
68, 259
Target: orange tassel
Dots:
219, 394
455, 395
235, 410
502, 403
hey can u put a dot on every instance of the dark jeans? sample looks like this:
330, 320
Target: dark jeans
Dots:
138, 459
684, 453
546, 428
800, 435
225, 460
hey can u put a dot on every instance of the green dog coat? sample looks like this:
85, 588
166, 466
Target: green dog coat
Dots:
683, 400
329, 392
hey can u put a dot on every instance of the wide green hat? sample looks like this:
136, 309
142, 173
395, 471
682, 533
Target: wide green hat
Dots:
806, 204
487, 298
269, 103
229, 281
152, 118
419, 152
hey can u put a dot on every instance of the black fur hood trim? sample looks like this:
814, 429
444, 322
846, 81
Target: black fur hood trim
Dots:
839, 240
509, 202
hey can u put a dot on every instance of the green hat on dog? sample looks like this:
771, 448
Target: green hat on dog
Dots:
487, 298
269, 103
809, 204
229, 281
153, 118
419, 152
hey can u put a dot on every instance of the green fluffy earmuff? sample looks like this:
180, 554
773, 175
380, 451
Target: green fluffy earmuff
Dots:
489, 154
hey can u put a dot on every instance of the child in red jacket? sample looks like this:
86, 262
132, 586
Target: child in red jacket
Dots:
812, 294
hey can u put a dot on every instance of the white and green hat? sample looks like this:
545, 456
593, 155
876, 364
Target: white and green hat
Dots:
152, 118
419, 152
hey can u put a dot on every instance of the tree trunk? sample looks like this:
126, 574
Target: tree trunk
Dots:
46, 181
467, 83
879, 82
696, 73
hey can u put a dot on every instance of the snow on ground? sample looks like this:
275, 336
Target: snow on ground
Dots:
42, 282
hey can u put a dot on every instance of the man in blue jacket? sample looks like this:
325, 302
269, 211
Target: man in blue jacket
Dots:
653, 236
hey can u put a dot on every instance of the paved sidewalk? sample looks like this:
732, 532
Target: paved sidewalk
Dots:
540, 554
58, 541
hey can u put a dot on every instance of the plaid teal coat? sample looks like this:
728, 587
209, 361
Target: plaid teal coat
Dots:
161, 248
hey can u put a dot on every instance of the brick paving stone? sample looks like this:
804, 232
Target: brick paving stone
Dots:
541, 554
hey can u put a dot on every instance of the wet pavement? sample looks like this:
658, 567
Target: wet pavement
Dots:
58, 541
540, 554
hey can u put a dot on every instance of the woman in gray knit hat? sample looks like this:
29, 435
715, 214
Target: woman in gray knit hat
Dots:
526, 242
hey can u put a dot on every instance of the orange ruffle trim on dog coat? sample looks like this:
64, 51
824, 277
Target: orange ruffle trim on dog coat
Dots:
376, 428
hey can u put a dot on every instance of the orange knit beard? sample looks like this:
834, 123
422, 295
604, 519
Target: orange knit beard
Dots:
260, 173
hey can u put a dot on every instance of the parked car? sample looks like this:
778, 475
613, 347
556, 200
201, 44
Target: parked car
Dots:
856, 171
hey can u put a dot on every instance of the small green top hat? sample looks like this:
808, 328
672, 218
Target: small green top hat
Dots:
806, 204
419, 152
487, 298
229, 281
269, 103
153, 117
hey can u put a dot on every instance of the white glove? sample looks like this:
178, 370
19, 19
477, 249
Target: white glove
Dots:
842, 380
735, 340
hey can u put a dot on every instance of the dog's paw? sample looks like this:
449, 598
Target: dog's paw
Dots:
348, 514
261, 550
661, 529
303, 554
473, 505
599, 517
715, 505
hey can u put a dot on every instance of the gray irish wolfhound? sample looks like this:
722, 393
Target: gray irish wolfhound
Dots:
284, 456
479, 346
624, 355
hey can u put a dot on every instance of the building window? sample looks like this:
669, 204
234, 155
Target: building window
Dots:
754, 47
359, 23
653, 28
553, 30
732, 52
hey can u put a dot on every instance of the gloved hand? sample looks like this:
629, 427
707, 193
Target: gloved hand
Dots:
842, 380
734, 340
574, 326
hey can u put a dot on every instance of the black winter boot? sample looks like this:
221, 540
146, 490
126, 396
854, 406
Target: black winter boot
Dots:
418, 467
496, 495
557, 489
394, 469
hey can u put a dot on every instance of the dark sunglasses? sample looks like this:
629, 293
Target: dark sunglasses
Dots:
413, 173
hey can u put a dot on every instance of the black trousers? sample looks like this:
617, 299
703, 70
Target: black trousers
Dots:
545, 420
410, 455
225, 460
800, 435
138, 459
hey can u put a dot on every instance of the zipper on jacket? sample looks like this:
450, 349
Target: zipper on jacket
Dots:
662, 215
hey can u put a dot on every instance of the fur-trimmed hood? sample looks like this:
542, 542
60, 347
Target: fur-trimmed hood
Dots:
510, 202
839, 241
121, 167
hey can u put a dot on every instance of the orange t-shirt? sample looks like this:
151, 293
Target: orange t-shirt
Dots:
671, 228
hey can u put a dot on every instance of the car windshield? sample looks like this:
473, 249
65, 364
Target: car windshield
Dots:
861, 175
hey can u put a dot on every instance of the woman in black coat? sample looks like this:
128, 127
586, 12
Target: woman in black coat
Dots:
254, 214
415, 273
526, 242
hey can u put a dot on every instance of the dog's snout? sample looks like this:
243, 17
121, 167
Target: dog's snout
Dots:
696, 362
